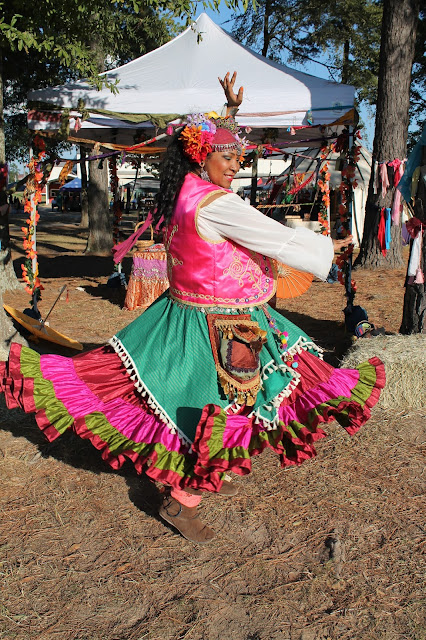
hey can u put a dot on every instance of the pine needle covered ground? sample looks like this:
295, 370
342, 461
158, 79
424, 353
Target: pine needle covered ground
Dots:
332, 550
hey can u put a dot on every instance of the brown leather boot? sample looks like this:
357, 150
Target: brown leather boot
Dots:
186, 521
227, 489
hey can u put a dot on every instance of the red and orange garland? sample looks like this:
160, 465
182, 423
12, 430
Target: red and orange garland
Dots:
342, 263
32, 197
116, 207
324, 186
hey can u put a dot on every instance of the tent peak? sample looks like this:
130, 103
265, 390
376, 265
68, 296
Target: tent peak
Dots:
180, 77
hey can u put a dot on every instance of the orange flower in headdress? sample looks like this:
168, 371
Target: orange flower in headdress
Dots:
196, 143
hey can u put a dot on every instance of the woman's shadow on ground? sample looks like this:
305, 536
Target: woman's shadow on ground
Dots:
90, 268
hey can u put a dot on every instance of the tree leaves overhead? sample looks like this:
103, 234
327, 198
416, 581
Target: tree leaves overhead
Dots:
50, 42
62, 33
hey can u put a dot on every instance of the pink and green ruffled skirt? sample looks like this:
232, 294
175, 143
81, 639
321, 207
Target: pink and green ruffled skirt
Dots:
152, 396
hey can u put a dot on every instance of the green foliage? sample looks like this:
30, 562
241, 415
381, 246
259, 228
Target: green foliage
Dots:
50, 42
348, 32
13, 172
418, 84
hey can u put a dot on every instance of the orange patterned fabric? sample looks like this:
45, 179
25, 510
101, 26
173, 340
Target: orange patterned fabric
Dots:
148, 278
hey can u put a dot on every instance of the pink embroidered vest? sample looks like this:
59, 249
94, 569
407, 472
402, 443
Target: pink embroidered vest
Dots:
206, 273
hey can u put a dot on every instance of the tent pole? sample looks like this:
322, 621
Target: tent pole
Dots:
329, 218
254, 178
34, 264
349, 291
355, 220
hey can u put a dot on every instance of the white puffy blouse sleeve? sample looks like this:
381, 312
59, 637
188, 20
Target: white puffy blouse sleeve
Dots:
229, 217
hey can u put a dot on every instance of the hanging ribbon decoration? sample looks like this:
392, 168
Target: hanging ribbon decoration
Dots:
302, 185
65, 171
116, 207
32, 197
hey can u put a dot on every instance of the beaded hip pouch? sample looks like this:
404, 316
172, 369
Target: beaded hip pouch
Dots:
236, 342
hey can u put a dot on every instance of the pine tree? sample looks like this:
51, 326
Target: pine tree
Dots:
399, 28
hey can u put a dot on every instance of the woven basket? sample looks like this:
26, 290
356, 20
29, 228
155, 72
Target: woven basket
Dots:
144, 244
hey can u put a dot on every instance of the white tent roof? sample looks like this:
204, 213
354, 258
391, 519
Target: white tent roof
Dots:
181, 77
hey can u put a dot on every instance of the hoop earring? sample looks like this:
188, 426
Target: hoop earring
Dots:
203, 174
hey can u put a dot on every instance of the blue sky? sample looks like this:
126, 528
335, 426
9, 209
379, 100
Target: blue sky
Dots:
223, 19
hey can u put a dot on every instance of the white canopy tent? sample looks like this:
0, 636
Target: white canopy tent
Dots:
181, 77
312, 160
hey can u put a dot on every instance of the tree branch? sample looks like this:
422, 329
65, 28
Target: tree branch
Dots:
293, 51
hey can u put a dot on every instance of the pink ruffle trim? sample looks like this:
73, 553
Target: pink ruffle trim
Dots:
83, 385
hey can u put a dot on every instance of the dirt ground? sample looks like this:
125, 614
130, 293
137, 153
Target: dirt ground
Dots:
332, 550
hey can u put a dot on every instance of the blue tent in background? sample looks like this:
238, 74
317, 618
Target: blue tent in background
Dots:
73, 185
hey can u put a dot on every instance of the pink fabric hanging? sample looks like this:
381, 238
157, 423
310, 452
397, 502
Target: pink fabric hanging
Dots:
384, 178
396, 207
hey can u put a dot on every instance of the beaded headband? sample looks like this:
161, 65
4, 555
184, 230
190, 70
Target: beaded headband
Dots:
206, 133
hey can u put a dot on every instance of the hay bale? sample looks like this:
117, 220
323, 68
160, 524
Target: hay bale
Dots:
404, 358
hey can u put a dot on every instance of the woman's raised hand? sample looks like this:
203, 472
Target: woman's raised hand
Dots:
233, 99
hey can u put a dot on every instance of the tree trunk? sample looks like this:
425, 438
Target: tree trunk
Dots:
399, 26
100, 228
84, 222
345, 62
8, 279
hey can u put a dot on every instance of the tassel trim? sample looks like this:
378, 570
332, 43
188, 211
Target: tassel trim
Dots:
158, 410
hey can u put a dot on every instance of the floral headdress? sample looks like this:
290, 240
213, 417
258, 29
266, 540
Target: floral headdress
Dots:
206, 133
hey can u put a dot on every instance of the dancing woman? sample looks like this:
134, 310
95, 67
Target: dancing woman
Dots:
210, 375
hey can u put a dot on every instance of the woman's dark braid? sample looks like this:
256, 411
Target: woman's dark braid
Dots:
173, 170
